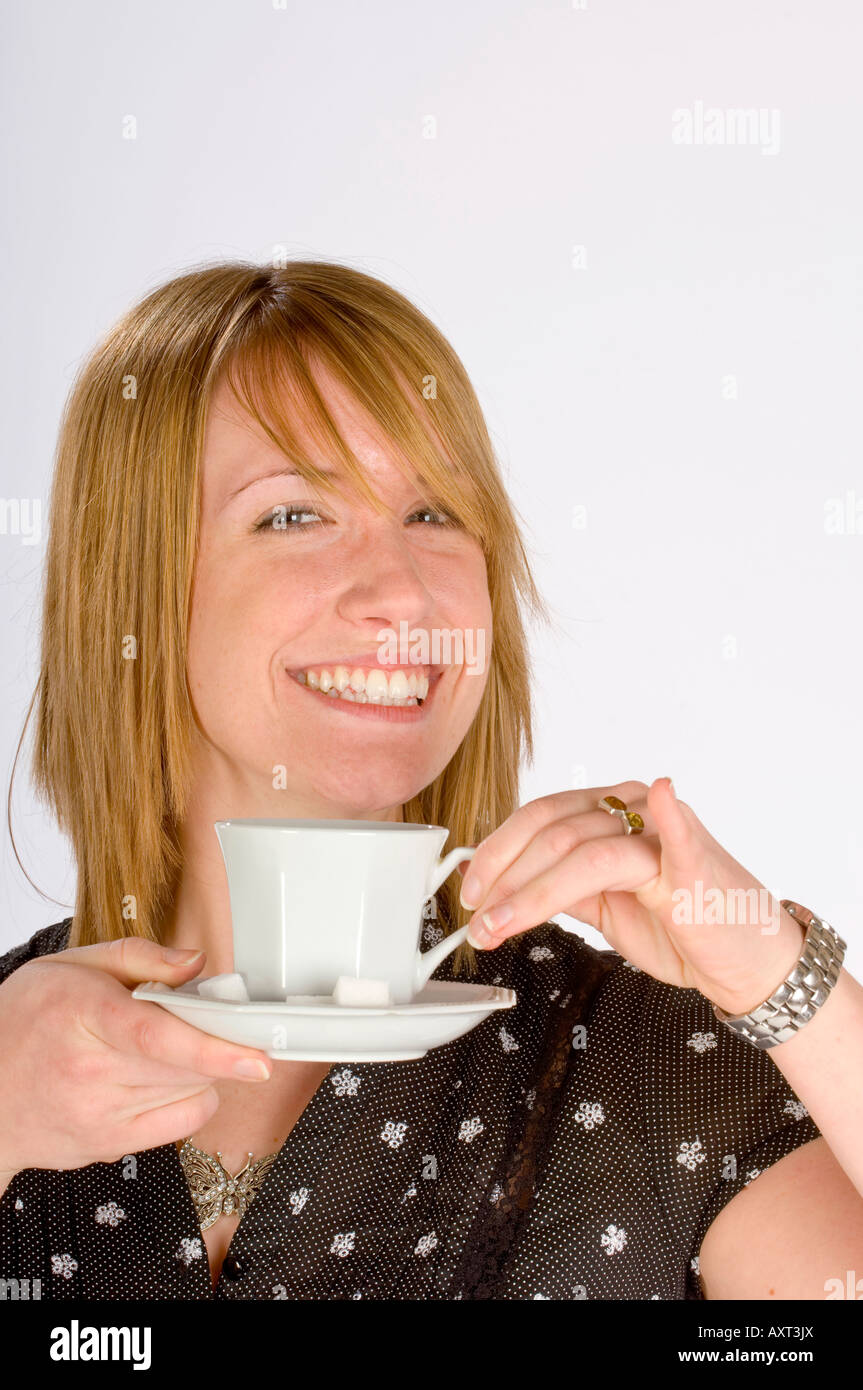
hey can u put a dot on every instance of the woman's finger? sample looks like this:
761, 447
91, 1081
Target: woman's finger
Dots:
502, 847
133, 959
167, 1123
136, 1070
552, 844
621, 863
136, 1027
141, 1100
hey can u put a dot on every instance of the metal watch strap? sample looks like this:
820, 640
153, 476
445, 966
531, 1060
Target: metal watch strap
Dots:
801, 993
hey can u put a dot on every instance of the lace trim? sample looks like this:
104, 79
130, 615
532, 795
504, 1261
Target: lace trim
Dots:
492, 1239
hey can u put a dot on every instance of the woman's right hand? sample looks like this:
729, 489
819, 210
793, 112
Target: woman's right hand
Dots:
88, 1074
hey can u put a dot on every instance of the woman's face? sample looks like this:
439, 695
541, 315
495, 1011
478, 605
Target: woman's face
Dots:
301, 597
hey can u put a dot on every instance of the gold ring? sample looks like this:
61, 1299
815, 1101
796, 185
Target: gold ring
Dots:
632, 822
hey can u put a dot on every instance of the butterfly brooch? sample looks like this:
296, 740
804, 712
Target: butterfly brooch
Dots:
214, 1190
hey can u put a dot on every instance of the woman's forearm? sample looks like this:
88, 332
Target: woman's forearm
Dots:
823, 1065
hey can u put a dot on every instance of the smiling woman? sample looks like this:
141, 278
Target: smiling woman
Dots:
231, 402
263, 474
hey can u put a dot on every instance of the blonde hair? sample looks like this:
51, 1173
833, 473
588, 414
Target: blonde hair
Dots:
114, 736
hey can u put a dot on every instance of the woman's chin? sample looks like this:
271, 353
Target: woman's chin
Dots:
383, 802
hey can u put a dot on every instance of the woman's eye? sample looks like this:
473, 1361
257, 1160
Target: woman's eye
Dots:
282, 518
443, 518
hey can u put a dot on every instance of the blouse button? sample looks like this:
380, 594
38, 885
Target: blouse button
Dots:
233, 1268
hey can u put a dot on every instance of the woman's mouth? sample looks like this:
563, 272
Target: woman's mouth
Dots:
397, 695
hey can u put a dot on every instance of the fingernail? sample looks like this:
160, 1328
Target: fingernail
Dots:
251, 1069
498, 916
478, 936
175, 957
671, 788
471, 892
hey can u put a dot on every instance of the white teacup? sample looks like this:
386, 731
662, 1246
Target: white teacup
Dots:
314, 900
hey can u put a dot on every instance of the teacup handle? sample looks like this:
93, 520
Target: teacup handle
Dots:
428, 961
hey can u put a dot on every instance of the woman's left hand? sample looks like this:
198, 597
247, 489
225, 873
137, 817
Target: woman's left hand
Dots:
670, 900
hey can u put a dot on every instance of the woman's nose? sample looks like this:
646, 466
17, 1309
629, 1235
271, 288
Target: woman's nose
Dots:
387, 578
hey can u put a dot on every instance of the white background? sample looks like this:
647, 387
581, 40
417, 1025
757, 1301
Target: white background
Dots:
707, 620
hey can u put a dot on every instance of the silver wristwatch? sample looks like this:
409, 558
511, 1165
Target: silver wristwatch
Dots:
801, 992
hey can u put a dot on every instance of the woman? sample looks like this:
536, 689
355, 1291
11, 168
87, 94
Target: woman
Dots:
259, 470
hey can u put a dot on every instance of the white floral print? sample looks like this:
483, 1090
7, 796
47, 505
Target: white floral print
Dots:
702, 1042
426, 1244
393, 1133
589, 1113
63, 1265
343, 1244
508, 1041
613, 1239
345, 1082
298, 1200
795, 1108
110, 1214
190, 1249
470, 1129
690, 1155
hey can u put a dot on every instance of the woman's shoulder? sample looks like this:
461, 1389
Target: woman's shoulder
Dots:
44, 942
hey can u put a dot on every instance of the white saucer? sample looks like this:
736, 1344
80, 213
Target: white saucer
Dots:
314, 1028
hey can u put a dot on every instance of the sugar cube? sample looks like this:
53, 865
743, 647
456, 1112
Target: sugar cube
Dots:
373, 994
230, 989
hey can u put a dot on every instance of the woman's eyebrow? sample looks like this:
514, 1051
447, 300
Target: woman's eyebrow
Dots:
288, 472
285, 472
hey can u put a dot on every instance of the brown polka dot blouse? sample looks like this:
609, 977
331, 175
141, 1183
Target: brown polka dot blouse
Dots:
576, 1146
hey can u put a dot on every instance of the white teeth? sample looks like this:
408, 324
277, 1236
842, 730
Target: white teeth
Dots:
372, 687
376, 686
